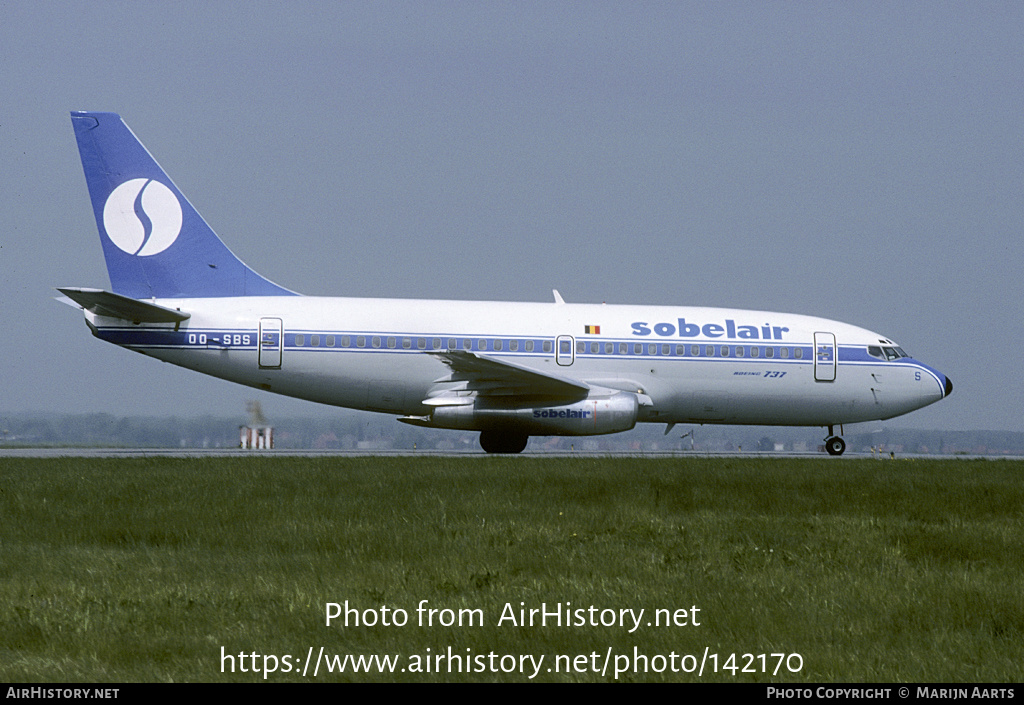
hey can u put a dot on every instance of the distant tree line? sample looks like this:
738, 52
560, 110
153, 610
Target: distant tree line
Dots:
352, 430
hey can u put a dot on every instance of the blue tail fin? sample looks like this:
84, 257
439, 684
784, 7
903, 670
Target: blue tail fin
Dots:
155, 243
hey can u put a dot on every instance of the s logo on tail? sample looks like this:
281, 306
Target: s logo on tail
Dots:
142, 217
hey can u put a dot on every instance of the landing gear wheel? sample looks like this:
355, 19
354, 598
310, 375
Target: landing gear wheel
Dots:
835, 445
503, 441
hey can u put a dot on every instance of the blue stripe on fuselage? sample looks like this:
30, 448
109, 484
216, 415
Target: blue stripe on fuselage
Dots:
246, 339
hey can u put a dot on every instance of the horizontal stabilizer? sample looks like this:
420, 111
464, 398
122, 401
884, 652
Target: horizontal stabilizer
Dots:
104, 303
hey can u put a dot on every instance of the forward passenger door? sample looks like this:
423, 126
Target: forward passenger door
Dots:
825, 361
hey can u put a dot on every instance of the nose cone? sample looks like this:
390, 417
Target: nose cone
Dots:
930, 385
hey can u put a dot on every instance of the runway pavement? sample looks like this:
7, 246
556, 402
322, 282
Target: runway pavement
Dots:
72, 452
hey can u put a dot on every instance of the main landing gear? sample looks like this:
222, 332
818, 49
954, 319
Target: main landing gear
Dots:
834, 444
495, 441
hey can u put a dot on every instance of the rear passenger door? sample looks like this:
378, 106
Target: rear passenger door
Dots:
270, 344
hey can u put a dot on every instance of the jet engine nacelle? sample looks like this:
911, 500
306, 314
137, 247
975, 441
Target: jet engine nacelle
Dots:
592, 416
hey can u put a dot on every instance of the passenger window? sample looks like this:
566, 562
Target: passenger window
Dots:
406, 343
740, 350
595, 347
467, 344
375, 341
529, 346
497, 345
709, 350
314, 341
784, 352
725, 351
680, 350
754, 352
609, 348
481, 344
638, 349
547, 346
330, 341
798, 353
345, 341
392, 341
581, 347
623, 348
300, 340
361, 341
695, 350
769, 352
513, 345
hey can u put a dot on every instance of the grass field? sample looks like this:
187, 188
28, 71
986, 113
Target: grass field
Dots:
153, 569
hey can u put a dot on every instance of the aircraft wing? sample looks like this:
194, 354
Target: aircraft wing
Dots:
488, 376
104, 303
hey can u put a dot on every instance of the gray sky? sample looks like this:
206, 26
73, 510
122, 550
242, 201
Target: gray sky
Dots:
857, 161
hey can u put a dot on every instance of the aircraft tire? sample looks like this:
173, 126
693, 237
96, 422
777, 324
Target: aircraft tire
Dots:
503, 441
835, 445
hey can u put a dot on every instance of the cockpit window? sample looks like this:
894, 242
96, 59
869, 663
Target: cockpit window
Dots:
886, 353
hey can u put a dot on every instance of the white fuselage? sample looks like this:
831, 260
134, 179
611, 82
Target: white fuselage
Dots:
702, 365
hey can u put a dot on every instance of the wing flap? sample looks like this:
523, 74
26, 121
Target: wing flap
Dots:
488, 376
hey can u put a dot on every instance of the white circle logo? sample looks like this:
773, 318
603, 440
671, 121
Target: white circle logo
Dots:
142, 217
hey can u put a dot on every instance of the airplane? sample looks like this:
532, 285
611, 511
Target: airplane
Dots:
505, 369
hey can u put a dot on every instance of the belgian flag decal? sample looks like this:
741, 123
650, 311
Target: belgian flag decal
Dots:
592, 330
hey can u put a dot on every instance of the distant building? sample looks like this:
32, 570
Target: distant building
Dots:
256, 437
